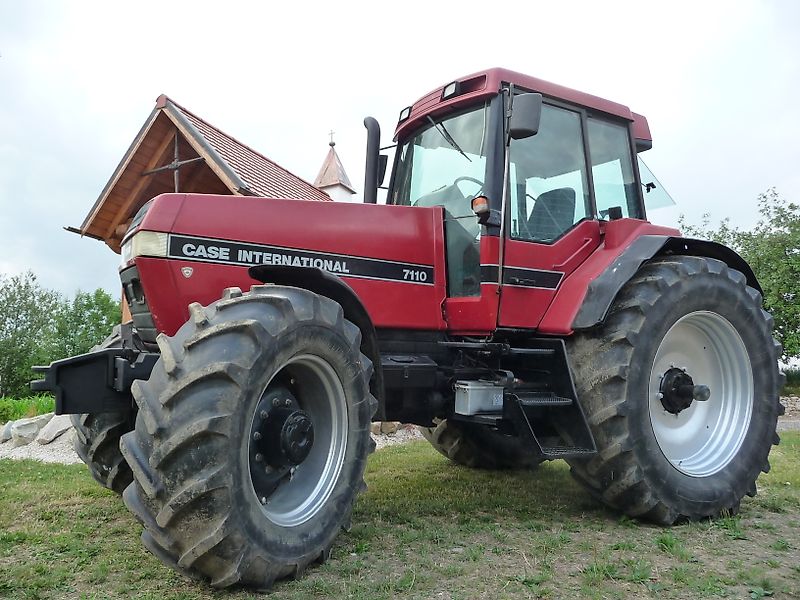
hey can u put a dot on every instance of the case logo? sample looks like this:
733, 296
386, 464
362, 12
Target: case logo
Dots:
187, 271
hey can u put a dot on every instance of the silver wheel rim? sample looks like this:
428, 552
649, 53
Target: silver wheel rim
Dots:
321, 395
705, 437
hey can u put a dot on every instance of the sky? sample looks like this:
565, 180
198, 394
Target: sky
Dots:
718, 81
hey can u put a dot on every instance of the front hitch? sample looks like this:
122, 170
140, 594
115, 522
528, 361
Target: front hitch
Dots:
95, 382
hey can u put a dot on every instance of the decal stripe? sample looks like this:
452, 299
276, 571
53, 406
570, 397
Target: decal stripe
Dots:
521, 277
244, 254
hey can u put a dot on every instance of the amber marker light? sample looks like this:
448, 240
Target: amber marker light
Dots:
480, 205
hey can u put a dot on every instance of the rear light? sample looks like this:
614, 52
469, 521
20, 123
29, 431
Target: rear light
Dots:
144, 243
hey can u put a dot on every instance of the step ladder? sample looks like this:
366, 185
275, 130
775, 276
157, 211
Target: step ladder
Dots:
553, 424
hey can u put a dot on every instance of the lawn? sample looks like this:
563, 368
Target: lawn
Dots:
424, 529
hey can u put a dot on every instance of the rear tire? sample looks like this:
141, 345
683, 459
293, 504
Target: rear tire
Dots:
97, 437
479, 447
678, 313
201, 446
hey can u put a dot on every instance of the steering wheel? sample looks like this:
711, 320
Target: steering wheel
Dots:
470, 179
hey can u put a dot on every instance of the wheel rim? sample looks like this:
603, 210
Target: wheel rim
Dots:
703, 439
306, 487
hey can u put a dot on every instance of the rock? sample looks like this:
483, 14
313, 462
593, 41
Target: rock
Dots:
5, 433
24, 431
57, 425
389, 427
375, 428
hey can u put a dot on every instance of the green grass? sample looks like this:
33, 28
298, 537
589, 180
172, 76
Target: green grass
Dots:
424, 529
12, 409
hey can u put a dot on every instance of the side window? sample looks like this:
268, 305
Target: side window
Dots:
548, 185
612, 171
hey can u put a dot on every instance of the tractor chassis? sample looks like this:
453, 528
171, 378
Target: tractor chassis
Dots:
543, 410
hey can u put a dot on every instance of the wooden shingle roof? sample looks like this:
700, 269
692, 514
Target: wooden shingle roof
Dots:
176, 150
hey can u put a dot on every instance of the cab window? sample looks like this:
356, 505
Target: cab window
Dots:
548, 183
612, 170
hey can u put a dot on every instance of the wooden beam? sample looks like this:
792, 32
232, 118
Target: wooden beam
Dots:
157, 158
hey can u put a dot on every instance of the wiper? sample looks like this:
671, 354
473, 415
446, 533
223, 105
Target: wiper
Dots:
448, 138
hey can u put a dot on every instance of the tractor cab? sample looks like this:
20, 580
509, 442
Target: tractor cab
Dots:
529, 175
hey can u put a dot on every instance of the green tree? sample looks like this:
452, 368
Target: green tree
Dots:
772, 248
26, 329
38, 326
83, 322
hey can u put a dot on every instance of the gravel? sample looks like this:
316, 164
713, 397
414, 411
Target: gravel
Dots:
59, 451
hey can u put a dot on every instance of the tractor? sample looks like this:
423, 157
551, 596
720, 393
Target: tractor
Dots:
509, 297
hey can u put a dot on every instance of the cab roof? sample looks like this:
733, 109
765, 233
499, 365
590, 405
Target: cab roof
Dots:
485, 84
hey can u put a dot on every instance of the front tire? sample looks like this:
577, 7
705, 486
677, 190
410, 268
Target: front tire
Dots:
252, 436
662, 454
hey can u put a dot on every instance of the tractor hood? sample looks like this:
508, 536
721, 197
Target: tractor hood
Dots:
391, 256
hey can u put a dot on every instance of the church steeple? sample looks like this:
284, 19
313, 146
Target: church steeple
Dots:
332, 178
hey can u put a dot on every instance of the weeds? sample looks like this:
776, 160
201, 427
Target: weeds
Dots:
12, 409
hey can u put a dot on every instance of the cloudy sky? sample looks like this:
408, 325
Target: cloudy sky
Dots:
718, 81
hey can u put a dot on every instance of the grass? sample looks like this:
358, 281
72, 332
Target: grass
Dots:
424, 529
12, 409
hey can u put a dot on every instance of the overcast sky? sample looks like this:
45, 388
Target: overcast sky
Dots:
718, 81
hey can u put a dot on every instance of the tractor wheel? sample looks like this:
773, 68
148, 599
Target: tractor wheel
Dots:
680, 387
480, 447
252, 437
97, 437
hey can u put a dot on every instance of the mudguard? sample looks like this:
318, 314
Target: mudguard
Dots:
603, 289
333, 287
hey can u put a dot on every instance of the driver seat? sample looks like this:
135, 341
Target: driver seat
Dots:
552, 214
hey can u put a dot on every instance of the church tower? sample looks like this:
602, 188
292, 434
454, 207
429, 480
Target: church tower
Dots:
332, 178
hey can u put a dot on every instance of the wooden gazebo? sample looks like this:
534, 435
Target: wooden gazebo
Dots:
176, 151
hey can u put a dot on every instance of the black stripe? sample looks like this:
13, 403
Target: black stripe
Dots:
489, 273
531, 278
518, 276
243, 254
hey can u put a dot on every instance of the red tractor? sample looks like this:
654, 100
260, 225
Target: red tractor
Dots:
511, 298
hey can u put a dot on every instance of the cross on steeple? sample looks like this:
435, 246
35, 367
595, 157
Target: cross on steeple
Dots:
331, 143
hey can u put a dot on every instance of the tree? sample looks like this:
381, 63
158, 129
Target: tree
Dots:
772, 248
83, 322
26, 328
38, 326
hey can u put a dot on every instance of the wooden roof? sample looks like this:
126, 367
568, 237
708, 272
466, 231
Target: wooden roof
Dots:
175, 150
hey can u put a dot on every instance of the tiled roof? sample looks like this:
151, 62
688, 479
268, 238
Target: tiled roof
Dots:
261, 176
332, 172
205, 160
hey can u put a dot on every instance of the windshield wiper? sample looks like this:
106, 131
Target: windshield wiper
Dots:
448, 138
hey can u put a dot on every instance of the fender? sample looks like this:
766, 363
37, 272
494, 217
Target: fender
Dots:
604, 289
333, 287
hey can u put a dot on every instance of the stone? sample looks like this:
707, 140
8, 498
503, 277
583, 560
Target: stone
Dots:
375, 428
390, 427
57, 425
24, 431
5, 433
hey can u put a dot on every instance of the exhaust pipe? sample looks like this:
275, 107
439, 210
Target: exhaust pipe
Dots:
373, 161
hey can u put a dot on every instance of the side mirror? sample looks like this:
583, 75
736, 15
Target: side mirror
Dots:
383, 160
526, 112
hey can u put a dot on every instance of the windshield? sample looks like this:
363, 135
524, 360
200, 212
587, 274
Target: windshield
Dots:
444, 163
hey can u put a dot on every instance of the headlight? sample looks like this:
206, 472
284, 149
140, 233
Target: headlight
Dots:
144, 243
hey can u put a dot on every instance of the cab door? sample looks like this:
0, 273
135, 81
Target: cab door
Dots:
553, 221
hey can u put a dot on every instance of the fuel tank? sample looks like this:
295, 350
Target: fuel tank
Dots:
392, 256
